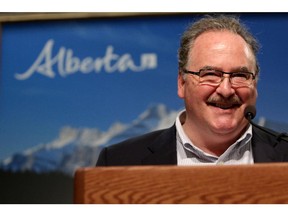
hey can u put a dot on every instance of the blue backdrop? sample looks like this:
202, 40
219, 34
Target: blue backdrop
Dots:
58, 77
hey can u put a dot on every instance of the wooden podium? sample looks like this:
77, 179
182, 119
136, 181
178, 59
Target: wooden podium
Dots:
230, 184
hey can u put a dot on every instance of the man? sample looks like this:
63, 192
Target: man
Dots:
218, 73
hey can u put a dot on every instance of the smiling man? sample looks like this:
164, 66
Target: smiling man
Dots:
217, 79
214, 102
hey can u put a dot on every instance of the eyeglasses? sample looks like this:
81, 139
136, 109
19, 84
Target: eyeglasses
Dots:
215, 77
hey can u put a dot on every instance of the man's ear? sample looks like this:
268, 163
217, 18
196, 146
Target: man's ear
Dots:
181, 85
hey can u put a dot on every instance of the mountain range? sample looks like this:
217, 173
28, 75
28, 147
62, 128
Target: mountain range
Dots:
80, 147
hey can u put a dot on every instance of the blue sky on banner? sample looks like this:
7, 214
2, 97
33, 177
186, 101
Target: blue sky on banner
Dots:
92, 73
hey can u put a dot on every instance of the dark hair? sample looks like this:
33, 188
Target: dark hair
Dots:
214, 23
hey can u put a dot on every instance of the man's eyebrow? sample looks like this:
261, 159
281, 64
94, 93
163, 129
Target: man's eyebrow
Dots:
207, 67
243, 69
236, 69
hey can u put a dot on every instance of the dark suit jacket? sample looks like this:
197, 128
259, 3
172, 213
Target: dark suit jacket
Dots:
159, 148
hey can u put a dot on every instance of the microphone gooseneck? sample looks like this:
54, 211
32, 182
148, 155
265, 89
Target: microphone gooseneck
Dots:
250, 113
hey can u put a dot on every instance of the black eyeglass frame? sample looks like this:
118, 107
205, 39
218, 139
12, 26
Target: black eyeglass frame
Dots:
222, 73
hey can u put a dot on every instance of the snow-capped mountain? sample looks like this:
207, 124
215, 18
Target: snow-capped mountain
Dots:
80, 147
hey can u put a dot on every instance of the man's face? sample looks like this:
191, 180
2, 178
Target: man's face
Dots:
217, 109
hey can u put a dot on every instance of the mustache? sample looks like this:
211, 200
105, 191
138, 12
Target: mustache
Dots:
235, 100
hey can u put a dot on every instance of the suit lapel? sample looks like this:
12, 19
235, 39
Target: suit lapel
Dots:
163, 149
263, 147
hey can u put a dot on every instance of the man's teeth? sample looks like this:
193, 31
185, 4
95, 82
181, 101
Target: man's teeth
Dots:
224, 106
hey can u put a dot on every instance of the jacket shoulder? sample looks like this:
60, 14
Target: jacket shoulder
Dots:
133, 150
269, 145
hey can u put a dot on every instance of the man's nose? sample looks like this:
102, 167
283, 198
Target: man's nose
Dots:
225, 87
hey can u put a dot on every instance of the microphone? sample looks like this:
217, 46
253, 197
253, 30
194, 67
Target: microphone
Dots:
250, 113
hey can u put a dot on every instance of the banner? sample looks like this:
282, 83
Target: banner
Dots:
69, 87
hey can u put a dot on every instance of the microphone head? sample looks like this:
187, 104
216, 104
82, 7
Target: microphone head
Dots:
250, 112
